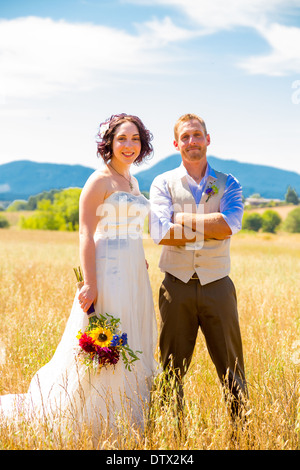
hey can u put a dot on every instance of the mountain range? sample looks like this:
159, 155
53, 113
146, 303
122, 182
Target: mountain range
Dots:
23, 178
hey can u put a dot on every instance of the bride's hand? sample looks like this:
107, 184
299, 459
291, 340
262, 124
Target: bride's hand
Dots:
87, 296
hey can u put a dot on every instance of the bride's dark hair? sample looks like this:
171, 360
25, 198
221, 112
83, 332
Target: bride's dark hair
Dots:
107, 132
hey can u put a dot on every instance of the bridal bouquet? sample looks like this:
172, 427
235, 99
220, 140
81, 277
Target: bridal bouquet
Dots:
102, 343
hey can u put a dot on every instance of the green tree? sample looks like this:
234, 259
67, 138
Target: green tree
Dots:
3, 222
252, 221
292, 222
17, 205
270, 221
33, 200
44, 218
67, 203
291, 196
61, 214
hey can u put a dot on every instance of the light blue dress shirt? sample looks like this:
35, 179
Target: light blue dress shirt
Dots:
231, 205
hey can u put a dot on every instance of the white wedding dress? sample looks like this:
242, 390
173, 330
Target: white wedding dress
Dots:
64, 391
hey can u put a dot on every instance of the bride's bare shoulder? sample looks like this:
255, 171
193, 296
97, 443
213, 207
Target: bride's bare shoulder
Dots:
98, 178
97, 185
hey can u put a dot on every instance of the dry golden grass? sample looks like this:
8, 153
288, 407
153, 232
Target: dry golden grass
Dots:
36, 294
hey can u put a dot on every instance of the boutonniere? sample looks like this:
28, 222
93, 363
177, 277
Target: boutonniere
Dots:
211, 190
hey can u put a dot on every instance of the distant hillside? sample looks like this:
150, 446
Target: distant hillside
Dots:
22, 179
268, 181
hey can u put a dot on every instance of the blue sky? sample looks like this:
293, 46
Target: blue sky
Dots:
66, 65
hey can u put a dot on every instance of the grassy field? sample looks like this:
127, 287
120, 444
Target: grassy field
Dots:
36, 294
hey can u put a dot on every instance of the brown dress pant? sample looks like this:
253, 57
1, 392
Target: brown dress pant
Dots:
184, 307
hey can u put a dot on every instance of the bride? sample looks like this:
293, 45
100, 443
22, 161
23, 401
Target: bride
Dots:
116, 282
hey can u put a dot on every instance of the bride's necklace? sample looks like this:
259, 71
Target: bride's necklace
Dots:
128, 180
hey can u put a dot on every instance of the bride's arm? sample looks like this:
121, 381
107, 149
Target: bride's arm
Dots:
90, 199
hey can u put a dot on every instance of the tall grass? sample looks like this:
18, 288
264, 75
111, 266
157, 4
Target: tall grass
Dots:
36, 294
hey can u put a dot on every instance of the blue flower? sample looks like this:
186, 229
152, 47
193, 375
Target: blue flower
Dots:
124, 339
115, 341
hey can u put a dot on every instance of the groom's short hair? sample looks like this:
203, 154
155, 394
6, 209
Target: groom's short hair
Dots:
188, 117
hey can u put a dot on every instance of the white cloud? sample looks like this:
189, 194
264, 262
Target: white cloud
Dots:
285, 55
4, 188
216, 15
263, 16
159, 33
40, 56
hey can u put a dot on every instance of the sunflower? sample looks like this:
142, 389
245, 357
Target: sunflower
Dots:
101, 336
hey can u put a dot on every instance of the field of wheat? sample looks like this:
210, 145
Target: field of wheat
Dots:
36, 293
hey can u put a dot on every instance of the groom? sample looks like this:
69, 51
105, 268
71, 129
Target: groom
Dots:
194, 212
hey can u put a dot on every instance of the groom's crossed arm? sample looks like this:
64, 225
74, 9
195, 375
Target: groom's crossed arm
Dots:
179, 228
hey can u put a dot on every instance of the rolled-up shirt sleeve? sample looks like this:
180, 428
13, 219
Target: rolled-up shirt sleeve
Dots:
231, 205
161, 209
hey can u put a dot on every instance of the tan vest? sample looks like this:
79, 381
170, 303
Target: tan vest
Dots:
212, 261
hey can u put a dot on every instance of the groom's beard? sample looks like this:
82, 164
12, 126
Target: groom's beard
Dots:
195, 154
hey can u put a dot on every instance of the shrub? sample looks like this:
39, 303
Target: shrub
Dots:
252, 221
292, 222
270, 221
3, 222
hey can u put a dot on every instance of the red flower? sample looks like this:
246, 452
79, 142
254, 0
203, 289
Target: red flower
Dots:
86, 343
108, 356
